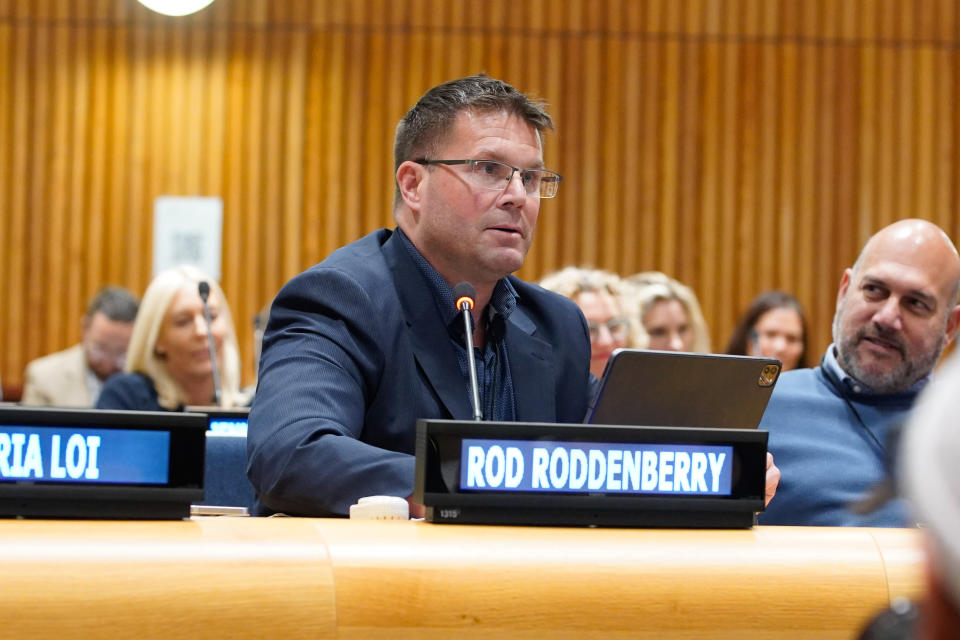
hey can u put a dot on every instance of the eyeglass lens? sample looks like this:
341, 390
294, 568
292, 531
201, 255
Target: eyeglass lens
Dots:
491, 174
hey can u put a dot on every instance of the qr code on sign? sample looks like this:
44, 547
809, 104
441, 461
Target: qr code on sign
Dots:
187, 248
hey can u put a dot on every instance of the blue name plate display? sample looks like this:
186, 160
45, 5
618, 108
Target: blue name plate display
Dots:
73, 463
222, 421
530, 465
51, 454
594, 475
225, 426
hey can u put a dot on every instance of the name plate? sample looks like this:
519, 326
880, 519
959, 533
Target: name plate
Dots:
559, 474
100, 464
96, 456
552, 467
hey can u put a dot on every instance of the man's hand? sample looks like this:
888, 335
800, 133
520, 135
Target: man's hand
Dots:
773, 479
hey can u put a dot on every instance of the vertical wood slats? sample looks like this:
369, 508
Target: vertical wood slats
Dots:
737, 145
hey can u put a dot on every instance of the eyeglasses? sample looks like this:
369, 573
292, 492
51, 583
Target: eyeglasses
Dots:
495, 176
616, 327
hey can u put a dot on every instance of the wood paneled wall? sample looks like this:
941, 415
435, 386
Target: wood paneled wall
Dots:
738, 145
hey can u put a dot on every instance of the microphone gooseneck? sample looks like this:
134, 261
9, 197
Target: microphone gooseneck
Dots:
465, 295
203, 288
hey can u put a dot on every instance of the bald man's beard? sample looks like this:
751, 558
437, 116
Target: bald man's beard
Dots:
896, 377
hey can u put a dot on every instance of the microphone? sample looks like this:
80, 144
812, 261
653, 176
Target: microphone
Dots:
204, 289
465, 295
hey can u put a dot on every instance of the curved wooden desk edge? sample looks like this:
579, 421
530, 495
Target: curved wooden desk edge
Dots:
207, 577
903, 558
256, 577
424, 580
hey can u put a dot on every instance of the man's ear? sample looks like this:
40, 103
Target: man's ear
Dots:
953, 322
844, 284
410, 179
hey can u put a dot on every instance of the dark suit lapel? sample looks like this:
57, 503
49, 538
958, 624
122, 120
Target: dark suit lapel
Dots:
431, 341
531, 367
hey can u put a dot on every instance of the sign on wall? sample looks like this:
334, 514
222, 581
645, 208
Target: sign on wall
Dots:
187, 230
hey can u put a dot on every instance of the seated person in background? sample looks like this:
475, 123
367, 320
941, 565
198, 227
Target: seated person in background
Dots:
168, 364
363, 344
669, 313
773, 326
930, 477
597, 293
896, 311
74, 377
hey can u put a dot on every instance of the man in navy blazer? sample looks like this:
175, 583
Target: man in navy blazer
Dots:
363, 344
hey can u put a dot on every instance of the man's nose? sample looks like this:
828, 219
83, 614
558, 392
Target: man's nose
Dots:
888, 316
516, 192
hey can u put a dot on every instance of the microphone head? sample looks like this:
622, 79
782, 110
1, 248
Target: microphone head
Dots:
204, 289
464, 293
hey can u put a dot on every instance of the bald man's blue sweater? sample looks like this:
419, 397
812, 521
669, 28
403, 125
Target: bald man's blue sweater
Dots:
820, 437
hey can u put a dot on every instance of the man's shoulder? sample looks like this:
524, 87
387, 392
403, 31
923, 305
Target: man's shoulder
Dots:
56, 361
798, 380
796, 390
354, 290
361, 260
361, 249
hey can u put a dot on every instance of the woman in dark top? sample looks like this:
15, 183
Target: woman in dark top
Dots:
772, 326
168, 360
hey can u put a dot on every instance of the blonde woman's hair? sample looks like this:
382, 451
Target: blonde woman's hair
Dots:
572, 281
142, 356
645, 289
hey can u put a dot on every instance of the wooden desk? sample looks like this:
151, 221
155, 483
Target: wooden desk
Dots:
286, 577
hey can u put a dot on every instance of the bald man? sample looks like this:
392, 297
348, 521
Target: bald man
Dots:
896, 311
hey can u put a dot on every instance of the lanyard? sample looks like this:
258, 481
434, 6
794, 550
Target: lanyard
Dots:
839, 386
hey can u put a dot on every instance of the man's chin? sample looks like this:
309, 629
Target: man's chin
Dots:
505, 262
882, 379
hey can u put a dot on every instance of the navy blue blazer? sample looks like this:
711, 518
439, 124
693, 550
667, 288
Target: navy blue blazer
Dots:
355, 351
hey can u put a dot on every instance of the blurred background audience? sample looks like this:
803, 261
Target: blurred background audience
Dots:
74, 377
599, 295
773, 326
168, 363
668, 312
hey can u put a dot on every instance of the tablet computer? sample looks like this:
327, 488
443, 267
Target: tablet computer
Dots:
674, 389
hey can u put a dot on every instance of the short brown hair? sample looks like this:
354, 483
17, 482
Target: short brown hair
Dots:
428, 122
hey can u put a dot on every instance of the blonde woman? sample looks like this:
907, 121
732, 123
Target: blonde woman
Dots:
598, 295
168, 360
668, 312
